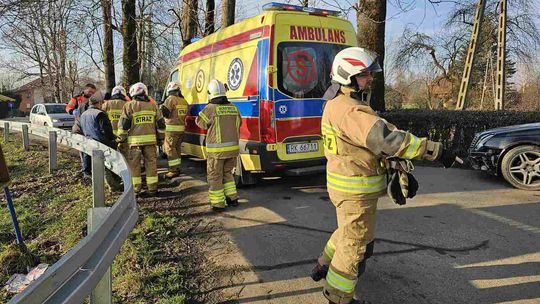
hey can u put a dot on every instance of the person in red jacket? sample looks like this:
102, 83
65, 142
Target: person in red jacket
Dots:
76, 101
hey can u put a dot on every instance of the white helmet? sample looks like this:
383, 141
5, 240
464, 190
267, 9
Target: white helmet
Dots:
215, 89
138, 89
118, 90
353, 61
172, 86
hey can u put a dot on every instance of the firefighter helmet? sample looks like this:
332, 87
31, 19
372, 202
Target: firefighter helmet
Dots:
138, 89
216, 89
118, 90
353, 61
172, 86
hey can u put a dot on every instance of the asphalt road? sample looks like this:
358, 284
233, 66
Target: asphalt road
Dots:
466, 238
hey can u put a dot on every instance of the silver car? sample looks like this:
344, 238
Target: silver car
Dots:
52, 115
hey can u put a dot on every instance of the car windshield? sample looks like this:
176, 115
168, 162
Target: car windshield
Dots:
304, 68
56, 109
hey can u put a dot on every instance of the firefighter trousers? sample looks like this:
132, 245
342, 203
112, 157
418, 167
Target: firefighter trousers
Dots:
221, 180
149, 153
173, 148
346, 249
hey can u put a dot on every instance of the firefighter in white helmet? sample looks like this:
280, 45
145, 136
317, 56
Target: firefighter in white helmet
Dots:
222, 121
174, 110
113, 107
142, 126
357, 142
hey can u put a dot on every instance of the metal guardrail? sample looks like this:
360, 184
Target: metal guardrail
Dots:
75, 276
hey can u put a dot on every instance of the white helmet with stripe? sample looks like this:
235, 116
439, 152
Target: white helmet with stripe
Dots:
172, 86
216, 89
138, 89
118, 90
353, 61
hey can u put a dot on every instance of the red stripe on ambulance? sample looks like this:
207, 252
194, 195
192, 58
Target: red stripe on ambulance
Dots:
226, 43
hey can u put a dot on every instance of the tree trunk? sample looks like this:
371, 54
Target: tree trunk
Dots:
129, 31
209, 17
371, 15
189, 21
108, 46
228, 8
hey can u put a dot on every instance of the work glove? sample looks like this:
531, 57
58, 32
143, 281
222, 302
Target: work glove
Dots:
447, 158
75, 112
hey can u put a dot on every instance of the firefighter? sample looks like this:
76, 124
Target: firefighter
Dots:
113, 107
357, 142
222, 121
174, 110
73, 105
142, 126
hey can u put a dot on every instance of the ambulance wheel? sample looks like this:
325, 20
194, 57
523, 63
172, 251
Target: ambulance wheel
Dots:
243, 177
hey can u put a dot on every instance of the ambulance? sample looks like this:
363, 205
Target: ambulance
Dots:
276, 66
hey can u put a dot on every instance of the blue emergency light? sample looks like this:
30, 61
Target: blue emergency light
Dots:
276, 6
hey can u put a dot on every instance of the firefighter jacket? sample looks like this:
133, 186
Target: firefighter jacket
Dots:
96, 125
113, 108
222, 121
75, 102
141, 124
357, 142
174, 110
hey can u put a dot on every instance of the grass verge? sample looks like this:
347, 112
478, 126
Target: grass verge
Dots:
161, 262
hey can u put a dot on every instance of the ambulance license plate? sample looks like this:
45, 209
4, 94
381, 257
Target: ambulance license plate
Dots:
302, 148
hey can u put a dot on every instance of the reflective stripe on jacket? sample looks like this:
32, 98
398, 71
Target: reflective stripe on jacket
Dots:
223, 124
357, 141
175, 110
113, 108
141, 124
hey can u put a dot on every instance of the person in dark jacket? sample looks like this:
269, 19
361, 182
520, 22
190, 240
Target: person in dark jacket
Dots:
95, 124
76, 129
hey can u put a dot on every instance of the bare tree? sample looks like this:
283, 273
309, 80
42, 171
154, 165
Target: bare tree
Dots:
371, 17
228, 8
129, 31
209, 22
108, 45
189, 21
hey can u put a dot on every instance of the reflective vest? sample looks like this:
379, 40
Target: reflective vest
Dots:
356, 144
113, 108
75, 102
175, 110
141, 124
222, 122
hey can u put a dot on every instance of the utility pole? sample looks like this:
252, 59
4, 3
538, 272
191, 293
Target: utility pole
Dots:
471, 52
500, 86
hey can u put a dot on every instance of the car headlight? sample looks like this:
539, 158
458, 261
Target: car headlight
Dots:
55, 120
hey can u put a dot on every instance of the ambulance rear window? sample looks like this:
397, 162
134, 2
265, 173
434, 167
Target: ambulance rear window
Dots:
304, 68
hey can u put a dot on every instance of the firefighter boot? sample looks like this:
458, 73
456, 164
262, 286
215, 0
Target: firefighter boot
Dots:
232, 202
319, 272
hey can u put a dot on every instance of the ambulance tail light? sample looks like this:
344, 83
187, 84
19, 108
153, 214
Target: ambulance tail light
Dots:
268, 134
275, 6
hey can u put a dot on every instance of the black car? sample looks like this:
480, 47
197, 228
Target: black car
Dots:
513, 152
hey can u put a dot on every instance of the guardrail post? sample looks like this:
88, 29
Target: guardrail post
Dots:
6, 132
53, 152
102, 294
26, 138
98, 178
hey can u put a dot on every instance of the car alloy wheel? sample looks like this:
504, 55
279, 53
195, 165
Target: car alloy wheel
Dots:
521, 167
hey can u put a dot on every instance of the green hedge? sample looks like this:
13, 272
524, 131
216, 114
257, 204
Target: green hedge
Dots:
455, 129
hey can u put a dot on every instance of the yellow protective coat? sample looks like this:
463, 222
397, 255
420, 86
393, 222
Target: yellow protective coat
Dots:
357, 141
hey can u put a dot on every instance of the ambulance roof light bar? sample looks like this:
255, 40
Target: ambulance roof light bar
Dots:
276, 6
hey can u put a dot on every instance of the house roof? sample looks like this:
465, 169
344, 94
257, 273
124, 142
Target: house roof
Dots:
36, 83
